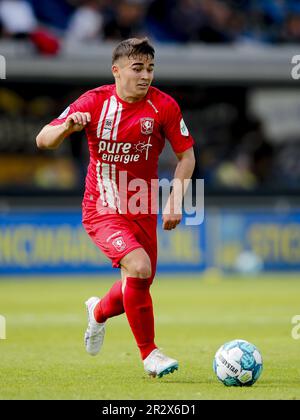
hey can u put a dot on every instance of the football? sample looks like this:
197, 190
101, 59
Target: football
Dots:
238, 363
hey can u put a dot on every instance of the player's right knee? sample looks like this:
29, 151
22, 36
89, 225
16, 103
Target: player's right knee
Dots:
137, 264
141, 269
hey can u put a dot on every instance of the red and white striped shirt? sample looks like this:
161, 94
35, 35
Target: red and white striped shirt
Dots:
125, 141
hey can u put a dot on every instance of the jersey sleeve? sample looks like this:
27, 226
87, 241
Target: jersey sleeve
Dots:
85, 103
175, 129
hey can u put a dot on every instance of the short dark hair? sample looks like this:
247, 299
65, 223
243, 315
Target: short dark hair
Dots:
133, 47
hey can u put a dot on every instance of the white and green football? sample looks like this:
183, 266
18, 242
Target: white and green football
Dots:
238, 363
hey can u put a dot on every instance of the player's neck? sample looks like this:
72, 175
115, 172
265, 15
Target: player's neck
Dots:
126, 97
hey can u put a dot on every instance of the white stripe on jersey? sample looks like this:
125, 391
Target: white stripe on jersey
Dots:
150, 103
115, 187
109, 194
106, 173
102, 117
115, 132
108, 185
109, 119
100, 184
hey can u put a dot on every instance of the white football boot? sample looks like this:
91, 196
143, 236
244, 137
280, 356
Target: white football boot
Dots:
157, 364
95, 332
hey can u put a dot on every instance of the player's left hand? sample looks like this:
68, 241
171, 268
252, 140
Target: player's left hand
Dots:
170, 221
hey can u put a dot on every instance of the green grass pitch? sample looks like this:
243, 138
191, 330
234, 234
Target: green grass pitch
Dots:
43, 356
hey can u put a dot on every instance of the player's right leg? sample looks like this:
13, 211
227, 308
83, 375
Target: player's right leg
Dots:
94, 334
99, 310
113, 235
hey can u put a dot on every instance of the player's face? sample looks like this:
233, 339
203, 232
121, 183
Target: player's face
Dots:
134, 76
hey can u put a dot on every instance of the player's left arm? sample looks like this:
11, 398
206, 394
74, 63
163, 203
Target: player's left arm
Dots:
182, 144
172, 213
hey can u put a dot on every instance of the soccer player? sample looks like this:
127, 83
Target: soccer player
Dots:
126, 124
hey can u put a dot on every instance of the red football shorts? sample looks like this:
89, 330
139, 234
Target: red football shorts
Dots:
116, 236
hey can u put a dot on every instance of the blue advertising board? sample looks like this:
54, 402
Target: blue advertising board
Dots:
55, 242
271, 236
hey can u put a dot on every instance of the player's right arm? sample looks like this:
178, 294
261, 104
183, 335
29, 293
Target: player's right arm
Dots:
51, 136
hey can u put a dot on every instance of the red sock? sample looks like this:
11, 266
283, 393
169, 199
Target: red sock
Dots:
139, 311
111, 304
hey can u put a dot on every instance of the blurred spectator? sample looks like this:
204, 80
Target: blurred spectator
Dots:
156, 20
86, 23
179, 21
185, 11
17, 18
287, 165
55, 14
252, 161
126, 20
291, 30
165, 23
236, 174
25, 25
261, 152
216, 22
45, 42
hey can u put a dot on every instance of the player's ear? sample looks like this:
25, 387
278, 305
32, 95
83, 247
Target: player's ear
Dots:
115, 71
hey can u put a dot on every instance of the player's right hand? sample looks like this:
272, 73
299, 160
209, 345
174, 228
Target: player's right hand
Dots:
77, 121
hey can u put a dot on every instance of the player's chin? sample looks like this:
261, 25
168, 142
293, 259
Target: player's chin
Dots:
143, 88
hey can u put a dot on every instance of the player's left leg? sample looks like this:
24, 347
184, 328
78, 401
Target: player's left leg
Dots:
138, 271
136, 274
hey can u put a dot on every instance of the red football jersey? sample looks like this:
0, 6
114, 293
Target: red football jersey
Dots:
125, 141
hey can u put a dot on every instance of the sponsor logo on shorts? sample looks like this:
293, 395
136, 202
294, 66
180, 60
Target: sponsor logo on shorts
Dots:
119, 244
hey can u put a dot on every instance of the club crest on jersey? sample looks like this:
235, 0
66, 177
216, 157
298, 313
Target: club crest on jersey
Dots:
147, 125
119, 244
